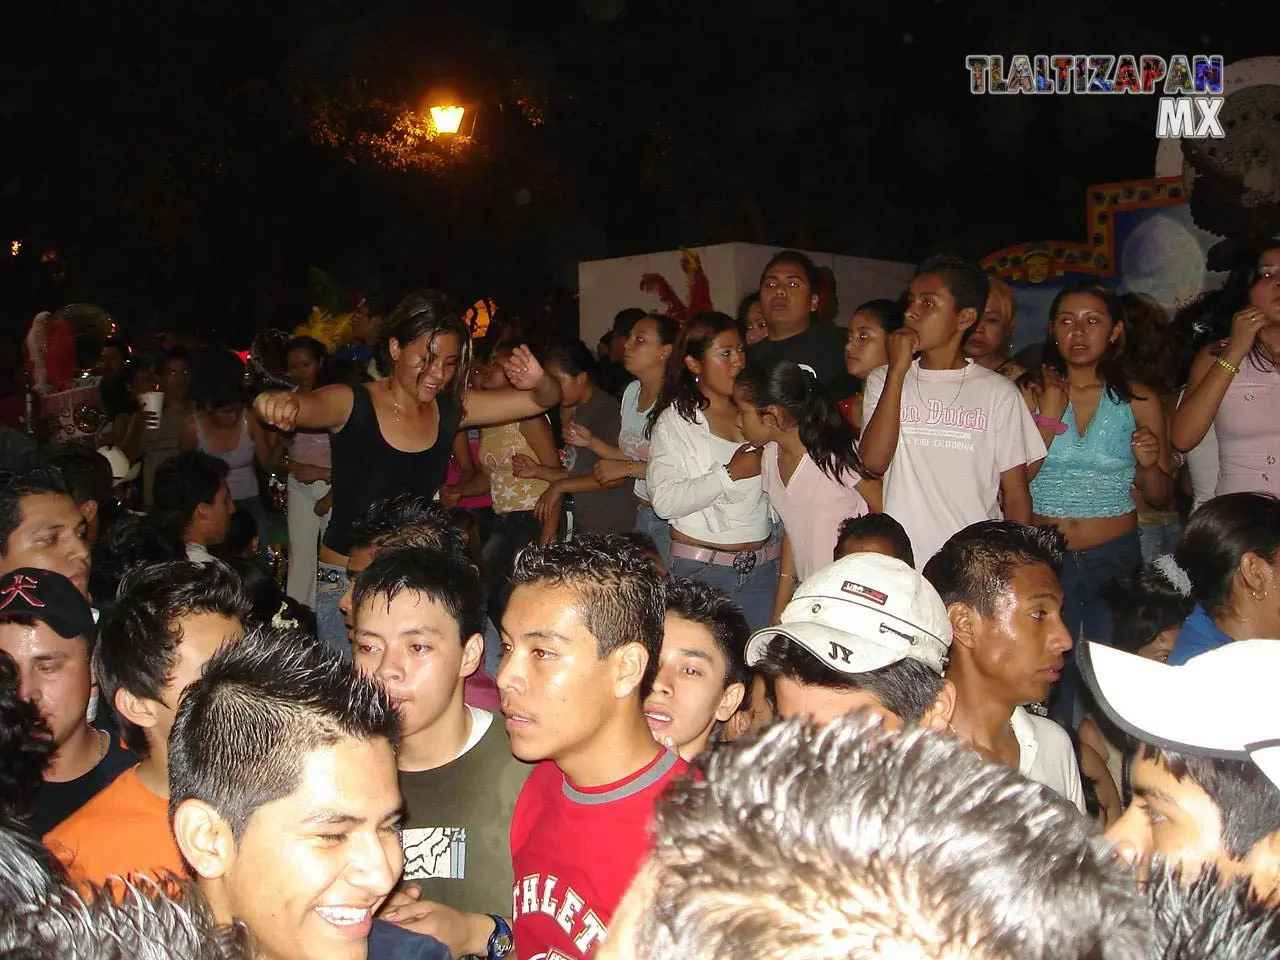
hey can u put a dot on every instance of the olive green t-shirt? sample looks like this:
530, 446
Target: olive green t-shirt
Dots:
457, 828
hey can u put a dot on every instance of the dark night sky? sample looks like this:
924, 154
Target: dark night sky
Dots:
170, 152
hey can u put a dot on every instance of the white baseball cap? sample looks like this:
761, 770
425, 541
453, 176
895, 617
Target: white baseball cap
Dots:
121, 470
861, 613
1220, 704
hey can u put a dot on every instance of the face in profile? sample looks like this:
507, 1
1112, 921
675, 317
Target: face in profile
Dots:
557, 692
52, 535
718, 367
1174, 818
1023, 645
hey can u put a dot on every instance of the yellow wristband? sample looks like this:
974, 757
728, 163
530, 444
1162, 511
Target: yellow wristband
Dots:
1226, 365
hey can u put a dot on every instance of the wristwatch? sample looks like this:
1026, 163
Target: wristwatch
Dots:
501, 942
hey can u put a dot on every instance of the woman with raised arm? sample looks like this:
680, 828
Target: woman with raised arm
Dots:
1233, 387
394, 436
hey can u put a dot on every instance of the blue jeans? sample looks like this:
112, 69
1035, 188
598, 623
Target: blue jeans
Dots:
1158, 540
331, 584
754, 593
656, 529
1087, 616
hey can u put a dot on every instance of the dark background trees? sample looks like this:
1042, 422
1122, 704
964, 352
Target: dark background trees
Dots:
185, 163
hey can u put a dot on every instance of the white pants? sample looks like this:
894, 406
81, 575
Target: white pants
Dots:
305, 530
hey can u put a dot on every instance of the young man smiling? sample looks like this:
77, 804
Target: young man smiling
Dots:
953, 440
701, 677
283, 800
418, 621
999, 580
41, 526
582, 637
1206, 769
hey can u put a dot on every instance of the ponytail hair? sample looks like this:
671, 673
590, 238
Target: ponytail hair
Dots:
824, 432
679, 388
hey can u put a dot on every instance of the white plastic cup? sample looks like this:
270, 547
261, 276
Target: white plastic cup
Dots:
153, 403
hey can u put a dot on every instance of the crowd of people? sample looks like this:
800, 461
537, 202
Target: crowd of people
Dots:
755, 635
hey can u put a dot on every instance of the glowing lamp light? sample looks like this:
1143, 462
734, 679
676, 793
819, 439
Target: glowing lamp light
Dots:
448, 119
15, 248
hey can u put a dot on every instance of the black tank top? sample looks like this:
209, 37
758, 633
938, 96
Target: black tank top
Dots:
366, 469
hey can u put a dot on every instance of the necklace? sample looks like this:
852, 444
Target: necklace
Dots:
963, 376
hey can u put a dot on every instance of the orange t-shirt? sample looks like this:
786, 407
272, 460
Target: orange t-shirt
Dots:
122, 831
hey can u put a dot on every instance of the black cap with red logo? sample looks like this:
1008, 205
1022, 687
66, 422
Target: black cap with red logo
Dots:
48, 596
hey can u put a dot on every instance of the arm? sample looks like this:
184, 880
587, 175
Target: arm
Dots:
189, 438
1154, 476
267, 447
531, 392
786, 580
1210, 378
537, 433
674, 491
1015, 494
462, 454
873, 492
326, 408
882, 415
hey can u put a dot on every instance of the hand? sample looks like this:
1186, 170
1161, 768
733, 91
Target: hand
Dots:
1146, 448
465, 934
902, 347
450, 494
277, 408
548, 505
578, 435
1031, 391
1244, 331
745, 463
150, 420
306, 472
323, 505
523, 370
1054, 395
607, 471
523, 466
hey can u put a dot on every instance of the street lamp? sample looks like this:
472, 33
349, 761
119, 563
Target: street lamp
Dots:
451, 115
448, 119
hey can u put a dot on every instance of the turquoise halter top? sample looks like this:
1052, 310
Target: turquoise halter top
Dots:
1089, 476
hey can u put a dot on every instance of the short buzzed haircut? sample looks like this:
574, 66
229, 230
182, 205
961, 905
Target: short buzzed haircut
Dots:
406, 521
848, 842
450, 581
711, 608
880, 525
620, 596
137, 920
245, 729
977, 565
1208, 917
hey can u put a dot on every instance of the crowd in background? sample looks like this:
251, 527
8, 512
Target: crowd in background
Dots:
486, 647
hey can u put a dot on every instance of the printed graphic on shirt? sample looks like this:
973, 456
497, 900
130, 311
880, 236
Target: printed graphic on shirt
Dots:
935, 424
539, 896
435, 853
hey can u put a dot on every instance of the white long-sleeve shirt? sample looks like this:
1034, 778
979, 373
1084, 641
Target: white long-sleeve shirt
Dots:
690, 487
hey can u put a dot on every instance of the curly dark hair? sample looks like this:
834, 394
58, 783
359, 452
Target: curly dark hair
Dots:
26, 744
